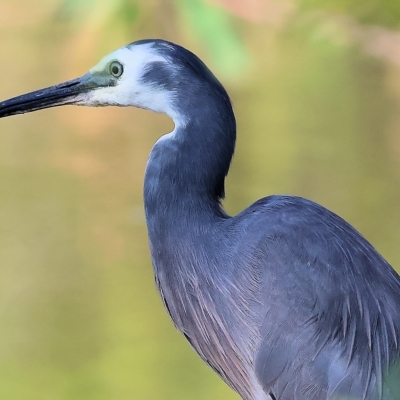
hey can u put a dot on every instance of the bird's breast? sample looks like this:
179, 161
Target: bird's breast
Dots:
207, 310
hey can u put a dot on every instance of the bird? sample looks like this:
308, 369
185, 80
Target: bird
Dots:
285, 300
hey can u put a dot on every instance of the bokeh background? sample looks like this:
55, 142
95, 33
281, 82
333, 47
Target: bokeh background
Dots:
316, 89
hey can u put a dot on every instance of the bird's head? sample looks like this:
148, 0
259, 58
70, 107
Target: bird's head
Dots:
146, 74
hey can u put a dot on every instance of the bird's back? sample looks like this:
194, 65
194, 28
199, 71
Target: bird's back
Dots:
328, 306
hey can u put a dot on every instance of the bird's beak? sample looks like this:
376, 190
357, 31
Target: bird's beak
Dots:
70, 92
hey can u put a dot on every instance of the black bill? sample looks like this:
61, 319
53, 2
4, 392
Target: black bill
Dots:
69, 92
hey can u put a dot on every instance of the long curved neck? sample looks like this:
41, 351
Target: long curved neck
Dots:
186, 169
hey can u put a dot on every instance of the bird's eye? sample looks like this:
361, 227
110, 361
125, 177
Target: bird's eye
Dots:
116, 69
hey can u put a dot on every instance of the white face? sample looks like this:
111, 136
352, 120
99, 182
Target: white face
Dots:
130, 90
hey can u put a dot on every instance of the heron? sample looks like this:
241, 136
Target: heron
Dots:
285, 300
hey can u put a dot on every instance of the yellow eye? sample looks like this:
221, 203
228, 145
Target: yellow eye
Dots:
116, 69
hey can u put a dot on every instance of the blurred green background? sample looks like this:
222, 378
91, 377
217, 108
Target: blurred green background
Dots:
316, 89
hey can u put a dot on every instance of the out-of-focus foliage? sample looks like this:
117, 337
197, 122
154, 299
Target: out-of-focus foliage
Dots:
123, 12
377, 12
213, 26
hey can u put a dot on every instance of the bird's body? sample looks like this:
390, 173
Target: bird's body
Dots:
285, 300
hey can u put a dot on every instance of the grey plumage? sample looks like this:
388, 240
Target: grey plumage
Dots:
285, 300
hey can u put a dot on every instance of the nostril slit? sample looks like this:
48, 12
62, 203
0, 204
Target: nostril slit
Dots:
70, 84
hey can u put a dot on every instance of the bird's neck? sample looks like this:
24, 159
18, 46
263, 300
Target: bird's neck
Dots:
186, 169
